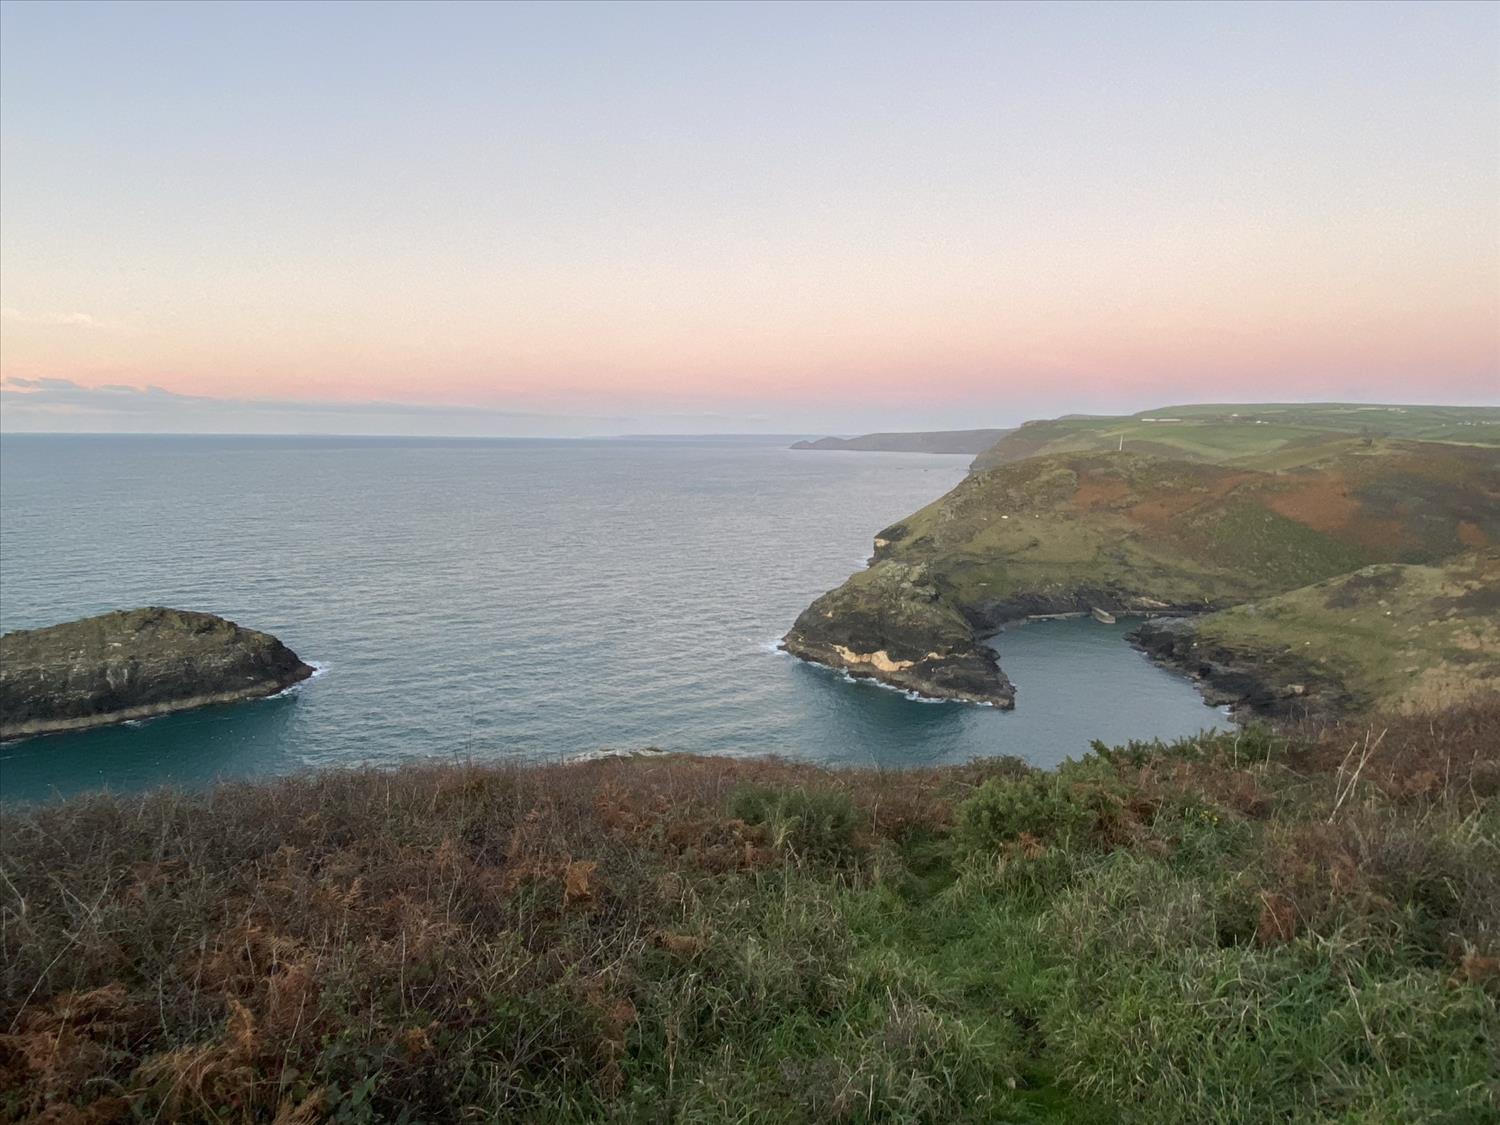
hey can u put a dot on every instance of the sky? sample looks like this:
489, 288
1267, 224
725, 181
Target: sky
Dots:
604, 218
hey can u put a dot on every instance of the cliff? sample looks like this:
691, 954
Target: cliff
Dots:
1389, 638
891, 624
1135, 534
134, 664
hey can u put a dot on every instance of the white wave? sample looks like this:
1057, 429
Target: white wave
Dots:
318, 668
907, 693
606, 752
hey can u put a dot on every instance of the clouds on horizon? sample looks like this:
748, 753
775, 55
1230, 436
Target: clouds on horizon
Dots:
13, 315
45, 404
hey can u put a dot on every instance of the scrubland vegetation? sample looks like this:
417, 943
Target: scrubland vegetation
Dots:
1245, 927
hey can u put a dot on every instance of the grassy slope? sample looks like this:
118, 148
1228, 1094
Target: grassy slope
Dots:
1395, 636
1197, 533
1226, 433
1232, 929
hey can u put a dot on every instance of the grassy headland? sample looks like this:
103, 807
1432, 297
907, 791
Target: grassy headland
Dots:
1134, 533
1396, 637
1236, 928
1285, 432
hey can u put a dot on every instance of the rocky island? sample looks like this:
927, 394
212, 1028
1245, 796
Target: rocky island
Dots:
1143, 534
134, 664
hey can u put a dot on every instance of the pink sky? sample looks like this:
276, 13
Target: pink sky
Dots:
799, 218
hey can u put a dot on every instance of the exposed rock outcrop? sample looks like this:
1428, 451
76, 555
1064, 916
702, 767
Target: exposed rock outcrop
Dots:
889, 623
134, 664
1392, 637
1260, 683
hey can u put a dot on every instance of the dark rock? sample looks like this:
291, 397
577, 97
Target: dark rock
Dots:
1271, 685
134, 664
890, 624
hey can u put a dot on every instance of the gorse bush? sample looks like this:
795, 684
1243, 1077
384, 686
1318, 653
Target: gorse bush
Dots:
1040, 805
815, 825
1218, 930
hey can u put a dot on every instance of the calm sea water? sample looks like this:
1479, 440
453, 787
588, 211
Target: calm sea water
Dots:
491, 599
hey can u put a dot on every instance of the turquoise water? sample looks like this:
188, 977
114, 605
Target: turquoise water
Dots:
491, 599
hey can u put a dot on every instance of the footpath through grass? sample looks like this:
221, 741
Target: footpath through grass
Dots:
1237, 928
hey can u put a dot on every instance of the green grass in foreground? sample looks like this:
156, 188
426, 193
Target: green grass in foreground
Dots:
1231, 928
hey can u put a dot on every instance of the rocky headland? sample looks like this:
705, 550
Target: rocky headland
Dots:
892, 625
1383, 638
1135, 534
134, 664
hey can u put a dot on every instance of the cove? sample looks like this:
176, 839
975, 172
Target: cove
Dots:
1076, 680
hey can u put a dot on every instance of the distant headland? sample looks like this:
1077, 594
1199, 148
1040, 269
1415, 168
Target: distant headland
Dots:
930, 441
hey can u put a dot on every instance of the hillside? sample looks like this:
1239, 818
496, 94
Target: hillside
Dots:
1132, 533
1386, 637
935, 441
1280, 434
1235, 928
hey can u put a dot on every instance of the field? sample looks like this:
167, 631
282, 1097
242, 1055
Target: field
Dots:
1241, 928
1267, 435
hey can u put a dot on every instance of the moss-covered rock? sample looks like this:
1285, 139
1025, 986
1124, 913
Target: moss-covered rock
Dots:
134, 664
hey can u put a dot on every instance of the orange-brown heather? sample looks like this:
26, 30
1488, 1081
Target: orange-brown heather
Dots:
690, 938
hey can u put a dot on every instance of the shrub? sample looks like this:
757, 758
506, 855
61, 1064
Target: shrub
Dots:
1038, 805
808, 823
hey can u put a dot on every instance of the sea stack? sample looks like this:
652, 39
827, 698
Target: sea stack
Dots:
134, 664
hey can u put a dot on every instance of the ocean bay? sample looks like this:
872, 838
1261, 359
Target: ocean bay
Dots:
535, 599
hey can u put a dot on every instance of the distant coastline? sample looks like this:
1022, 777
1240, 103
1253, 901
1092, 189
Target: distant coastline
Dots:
969, 442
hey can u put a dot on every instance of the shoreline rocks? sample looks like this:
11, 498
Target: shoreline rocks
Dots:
1275, 686
890, 624
134, 664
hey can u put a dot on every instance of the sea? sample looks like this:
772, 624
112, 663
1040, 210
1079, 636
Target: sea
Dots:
503, 599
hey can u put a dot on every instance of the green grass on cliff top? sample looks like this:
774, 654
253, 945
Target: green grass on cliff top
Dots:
1234, 928
1284, 432
1192, 532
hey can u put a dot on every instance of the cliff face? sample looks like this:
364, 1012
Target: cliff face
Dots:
134, 664
1389, 637
1136, 534
891, 624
